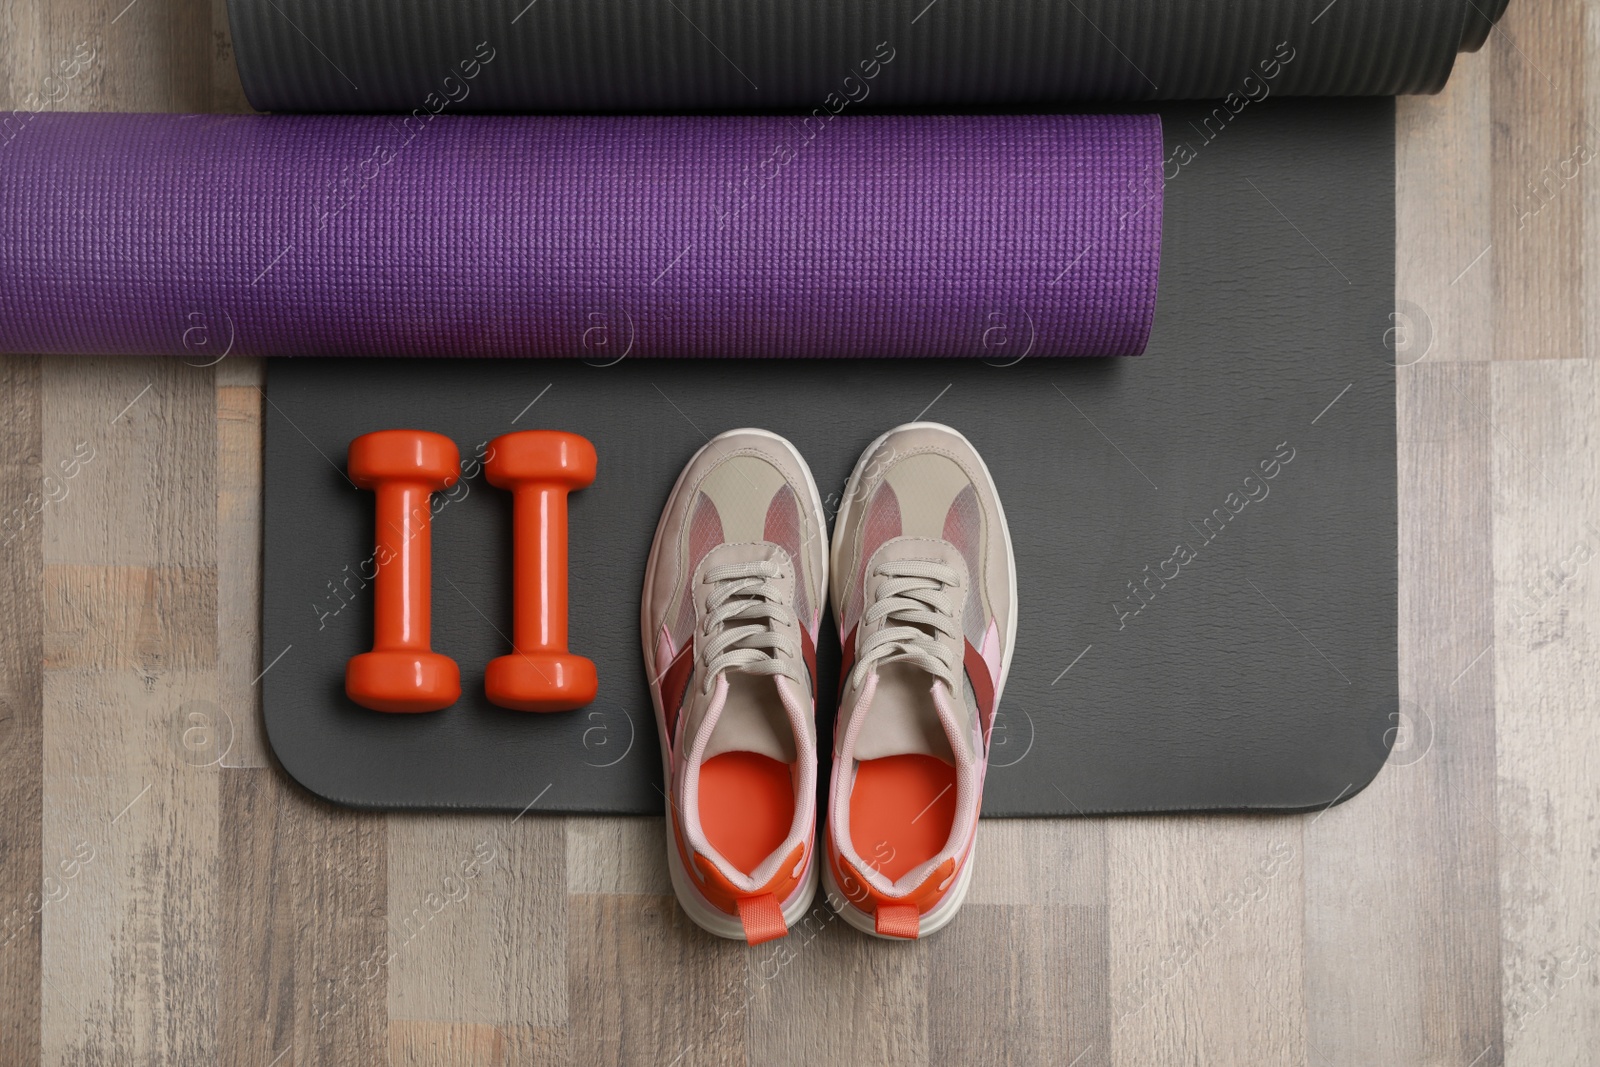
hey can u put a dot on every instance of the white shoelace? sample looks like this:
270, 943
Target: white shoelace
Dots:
915, 600
745, 595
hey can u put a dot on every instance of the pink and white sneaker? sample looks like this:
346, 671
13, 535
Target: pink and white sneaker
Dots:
924, 593
732, 599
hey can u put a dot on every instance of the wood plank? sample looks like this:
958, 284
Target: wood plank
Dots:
148, 496
303, 917
22, 62
647, 986
1446, 538
158, 53
30, 883
239, 403
1035, 924
477, 921
1547, 613
302, 913
413, 1043
828, 993
27, 884
1444, 259
1020, 984
1364, 897
227, 94
132, 651
145, 619
1039, 861
1589, 187
1445, 414
617, 855
260, 890
1542, 150
129, 952
1421, 914
1206, 940
129, 958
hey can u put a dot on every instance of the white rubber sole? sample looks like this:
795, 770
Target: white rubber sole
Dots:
700, 910
940, 916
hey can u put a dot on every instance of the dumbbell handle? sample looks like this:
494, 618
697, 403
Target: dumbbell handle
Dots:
402, 593
539, 523
539, 468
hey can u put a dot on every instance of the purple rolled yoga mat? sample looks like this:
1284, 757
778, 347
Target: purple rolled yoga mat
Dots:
580, 236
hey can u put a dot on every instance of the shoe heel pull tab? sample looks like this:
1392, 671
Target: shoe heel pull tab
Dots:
898, 920
762, 918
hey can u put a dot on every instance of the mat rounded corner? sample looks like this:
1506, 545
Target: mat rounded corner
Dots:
322, 786
1363, 766
1403, 737
1349, 791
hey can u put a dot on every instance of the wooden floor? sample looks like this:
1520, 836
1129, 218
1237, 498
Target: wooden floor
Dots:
167, 897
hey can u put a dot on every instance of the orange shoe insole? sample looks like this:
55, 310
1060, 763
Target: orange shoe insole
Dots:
901, 811
746, 806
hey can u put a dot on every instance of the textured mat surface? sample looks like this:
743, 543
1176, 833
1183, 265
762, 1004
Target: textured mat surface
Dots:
425, 56
864, 236
1205, 534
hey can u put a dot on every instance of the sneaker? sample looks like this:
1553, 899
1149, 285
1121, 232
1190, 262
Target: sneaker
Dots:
732, 598
924, 593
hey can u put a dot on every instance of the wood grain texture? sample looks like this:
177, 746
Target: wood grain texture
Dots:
303, 913
1543, 147
623, 855
205, 910
130, 952
24, 894
1445, 538
482, 897
874, 997
1444, 254
1040, 919
647, 986
238, 615
1206, 940
1401, 882
129, 965
227, 94
1370, 885
1043, 967
1589, 188
1547, 614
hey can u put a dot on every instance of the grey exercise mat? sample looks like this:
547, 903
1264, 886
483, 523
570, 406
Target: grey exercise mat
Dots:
424, 57
1205, 534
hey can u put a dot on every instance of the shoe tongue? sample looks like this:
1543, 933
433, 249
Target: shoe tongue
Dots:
903, 716
754, 717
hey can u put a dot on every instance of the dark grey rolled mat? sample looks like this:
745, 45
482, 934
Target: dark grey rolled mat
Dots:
829, 55
1205, 534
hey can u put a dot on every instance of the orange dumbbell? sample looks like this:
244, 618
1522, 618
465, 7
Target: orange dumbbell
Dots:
540, 467
401, 673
